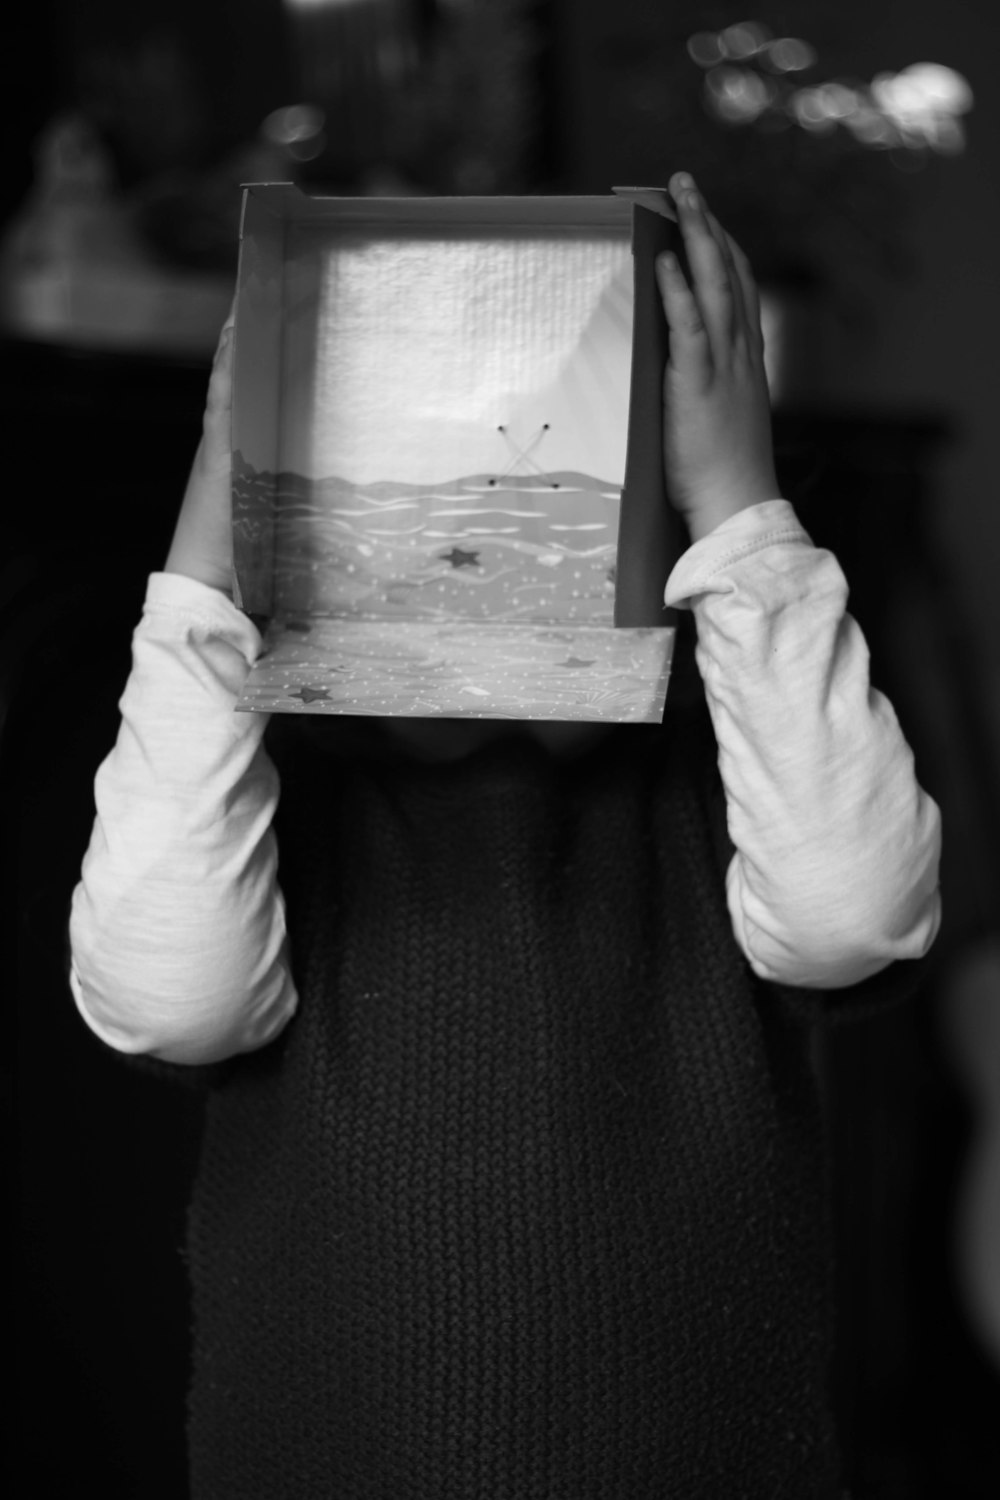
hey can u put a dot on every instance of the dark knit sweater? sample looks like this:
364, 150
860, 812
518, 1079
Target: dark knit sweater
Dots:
528, 1201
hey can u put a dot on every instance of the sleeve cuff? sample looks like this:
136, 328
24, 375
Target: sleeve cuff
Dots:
749, 531
189, 602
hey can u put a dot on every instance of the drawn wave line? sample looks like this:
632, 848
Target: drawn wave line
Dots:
489, 510
396, 531
576, 554
374, 510
581, 552
510, 540
558, 489
434, 495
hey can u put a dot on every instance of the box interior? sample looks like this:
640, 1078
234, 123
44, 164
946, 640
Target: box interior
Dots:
431, 437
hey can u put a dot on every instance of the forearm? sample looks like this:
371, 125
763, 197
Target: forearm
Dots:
177, 927
837, 846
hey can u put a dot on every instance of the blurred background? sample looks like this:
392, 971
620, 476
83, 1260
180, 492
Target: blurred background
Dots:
854, 150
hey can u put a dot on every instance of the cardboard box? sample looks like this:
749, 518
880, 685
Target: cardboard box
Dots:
448, 492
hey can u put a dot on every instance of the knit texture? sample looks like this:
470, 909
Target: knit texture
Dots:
528, 1201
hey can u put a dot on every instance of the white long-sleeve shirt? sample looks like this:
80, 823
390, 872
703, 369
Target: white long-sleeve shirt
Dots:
177, 930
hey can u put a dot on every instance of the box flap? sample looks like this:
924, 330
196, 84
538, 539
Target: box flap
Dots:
257, 383
651, 536
656, 199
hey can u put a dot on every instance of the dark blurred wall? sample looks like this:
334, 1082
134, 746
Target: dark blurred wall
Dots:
231, 55
191, 78
938, 337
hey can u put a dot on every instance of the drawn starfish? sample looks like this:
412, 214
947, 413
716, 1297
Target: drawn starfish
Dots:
309, 694
460, 559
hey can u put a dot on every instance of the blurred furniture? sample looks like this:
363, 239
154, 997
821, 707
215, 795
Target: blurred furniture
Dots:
105, 1157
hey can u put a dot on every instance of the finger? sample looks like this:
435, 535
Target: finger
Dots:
712, 283
225, 339
725, 245
221, 378
689, 345
219, 401
224, 343
751, 296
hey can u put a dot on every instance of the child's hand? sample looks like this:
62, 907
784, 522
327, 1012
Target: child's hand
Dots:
202, 546
717, 427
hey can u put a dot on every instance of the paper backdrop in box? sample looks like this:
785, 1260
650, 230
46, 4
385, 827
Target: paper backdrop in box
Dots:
431, 437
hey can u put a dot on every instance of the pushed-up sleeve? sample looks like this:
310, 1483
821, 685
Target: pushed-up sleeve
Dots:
177, 925
835, 874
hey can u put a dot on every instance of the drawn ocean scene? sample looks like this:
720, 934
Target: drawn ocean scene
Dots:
447, 599
529, 548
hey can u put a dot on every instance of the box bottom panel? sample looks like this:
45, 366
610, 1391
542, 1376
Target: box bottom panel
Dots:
468, 670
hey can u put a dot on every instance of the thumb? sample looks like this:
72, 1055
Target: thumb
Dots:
216, 425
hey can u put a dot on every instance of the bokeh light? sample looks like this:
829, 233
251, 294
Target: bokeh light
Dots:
743, 40
747, 82
738, 95
923, 89
789, 54
705, 49
923, 102
298, 128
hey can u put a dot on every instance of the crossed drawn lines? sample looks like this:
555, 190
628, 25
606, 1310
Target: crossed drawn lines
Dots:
522, 455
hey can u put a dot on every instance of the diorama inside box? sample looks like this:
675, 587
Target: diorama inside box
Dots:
448, 493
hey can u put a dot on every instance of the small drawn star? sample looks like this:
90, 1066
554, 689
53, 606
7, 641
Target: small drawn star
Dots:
460, 559
309, 694
575, 661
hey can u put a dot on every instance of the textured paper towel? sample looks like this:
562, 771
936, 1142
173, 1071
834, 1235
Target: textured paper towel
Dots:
424, 349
